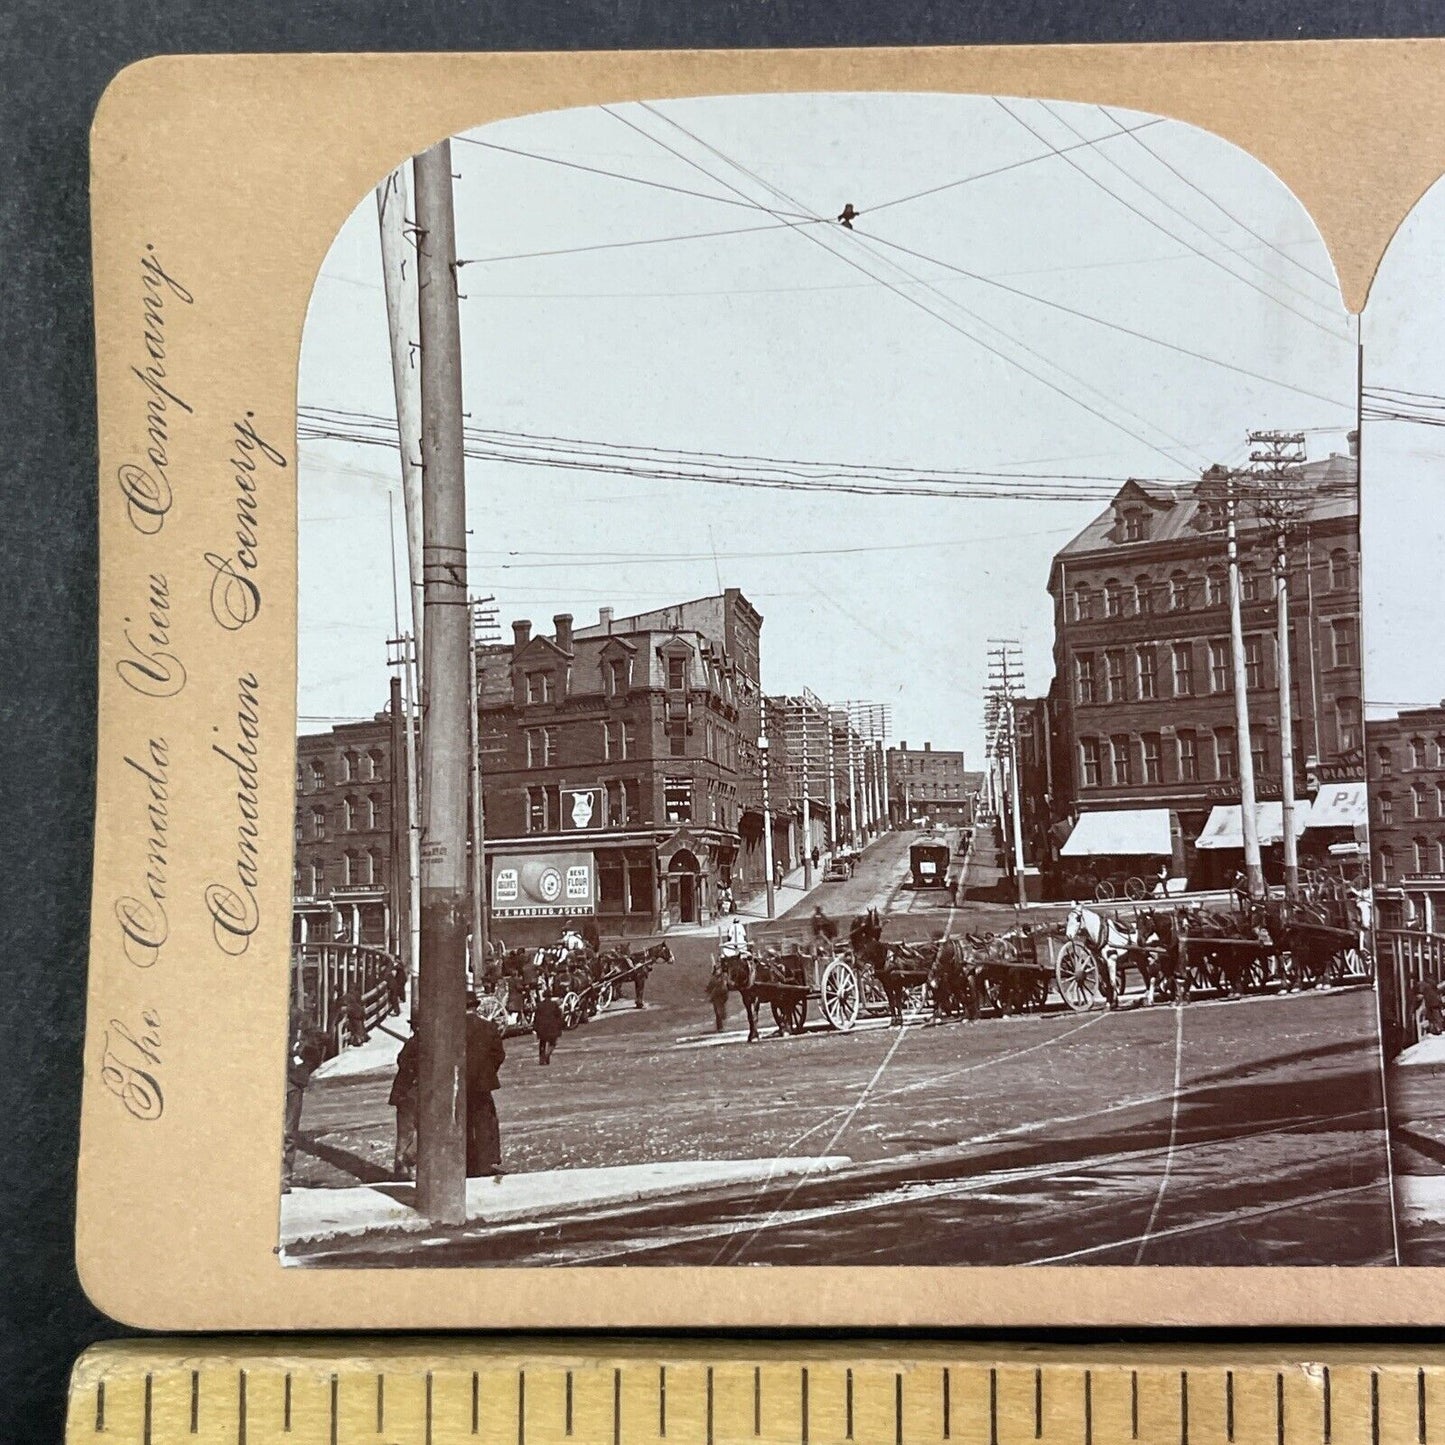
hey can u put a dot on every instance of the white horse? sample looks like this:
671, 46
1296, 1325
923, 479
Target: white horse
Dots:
1107, 941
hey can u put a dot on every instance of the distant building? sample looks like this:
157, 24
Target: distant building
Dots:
1406, 756
932, 784
1143, 721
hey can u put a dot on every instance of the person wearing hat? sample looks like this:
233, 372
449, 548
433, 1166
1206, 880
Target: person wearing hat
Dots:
548, 1024
485, 1055
403, 1099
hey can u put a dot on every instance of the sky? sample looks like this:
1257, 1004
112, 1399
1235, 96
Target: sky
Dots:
1402, 468
919, 339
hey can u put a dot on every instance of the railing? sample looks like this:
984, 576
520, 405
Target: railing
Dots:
1402, 958
323, 975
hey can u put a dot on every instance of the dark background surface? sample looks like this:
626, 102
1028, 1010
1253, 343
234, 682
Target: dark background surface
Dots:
57, 60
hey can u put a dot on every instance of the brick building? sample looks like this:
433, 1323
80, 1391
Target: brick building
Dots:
930, 783
1406, 756
630, 743
1143, 717
345, 806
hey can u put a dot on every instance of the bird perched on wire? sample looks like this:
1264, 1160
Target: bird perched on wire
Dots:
848, 215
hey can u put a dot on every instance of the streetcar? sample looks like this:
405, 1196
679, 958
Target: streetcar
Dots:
928, 864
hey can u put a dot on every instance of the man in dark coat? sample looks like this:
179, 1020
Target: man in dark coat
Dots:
717, 994
403, 1100
547, 1024
591, 935
307, 1050
485, 1054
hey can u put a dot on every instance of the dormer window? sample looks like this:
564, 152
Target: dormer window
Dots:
540, 687
618, 681
676, 674
1136, 525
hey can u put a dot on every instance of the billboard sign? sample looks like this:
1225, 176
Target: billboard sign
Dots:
543, 885
581, 808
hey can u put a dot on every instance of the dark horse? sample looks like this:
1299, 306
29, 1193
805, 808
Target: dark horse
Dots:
620, 965
754, 978
954, 980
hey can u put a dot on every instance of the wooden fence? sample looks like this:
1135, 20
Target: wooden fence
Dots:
1402, 958
324, 974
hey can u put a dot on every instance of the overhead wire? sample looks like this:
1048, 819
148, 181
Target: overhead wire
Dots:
1180, 240
914, 301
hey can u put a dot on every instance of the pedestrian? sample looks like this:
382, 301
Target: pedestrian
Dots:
485, 1055
639, 982
403, 1100
353, 1017
717, 993
307, 1051
816, 855
591, 935
396, 985
548, 1025
778, 874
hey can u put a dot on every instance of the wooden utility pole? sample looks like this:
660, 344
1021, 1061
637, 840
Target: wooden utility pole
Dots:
399, 273
1243, 748
807, 805
1279, 456
1006, 677
832, 789
441, 1094
767, 823
478, 838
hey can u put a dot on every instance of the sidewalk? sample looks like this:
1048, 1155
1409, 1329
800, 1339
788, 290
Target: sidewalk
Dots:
313, 1216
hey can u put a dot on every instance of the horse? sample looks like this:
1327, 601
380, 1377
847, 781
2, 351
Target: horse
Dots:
1159, 957
639, 965
953, 981
1107, 941
865, 939
739, 972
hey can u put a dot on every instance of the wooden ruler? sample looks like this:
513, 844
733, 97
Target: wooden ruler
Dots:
607, 1392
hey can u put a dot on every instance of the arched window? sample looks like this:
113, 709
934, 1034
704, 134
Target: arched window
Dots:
1339, 570
1083, 603
348, 813
1417, 753
1248, 582
1179, 591
350, 767
1385, 806
1113, 598
373, 810
1215, 587
1144, 594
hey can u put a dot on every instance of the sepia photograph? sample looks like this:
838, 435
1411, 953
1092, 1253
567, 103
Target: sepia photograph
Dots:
837, 681
1403, 405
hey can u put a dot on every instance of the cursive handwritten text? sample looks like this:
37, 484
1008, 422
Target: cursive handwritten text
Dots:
234, 911
129, 1065
235, 589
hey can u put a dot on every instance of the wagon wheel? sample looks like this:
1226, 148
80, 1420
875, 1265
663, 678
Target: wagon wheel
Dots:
491, 1007
874, 999
1134, 889
791, 1014
529, 1011
1253, 975
604, 995
990, 993
840, 994
1077, 975
1103, 890
571, 1009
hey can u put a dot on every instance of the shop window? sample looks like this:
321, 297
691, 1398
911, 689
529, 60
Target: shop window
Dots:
641, 890
677, 799
611, 883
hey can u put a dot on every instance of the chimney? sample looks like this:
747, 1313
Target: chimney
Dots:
928, 747
1354, 440
604, 619
521, 633
903, 746
562, 623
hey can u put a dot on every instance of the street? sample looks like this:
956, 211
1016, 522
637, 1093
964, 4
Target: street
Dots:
1224, 1132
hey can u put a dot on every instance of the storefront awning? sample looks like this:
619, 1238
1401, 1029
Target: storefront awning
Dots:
1225, 828
1126, 832
1340, 805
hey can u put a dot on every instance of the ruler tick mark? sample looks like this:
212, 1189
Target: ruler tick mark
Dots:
1328, 1406
1229, 1405
804, 1431
757, 1400
1088, 1407
146, 1424
240, 1409
1375, 1407
898, 1409
196, 1402
662, 1401
1279, 1409
1038, 1404
521, 1407
567, 1421
709, 1402
1420, 1407
1184, 1407
285, 1405
335, 1387
947, 1403
428, 1407
848, 1406
992, 1407
1133, 1404
380, 1403
477, 1402
617, 1407
100, 1406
